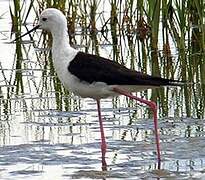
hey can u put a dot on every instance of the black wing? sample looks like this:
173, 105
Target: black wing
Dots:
91, 68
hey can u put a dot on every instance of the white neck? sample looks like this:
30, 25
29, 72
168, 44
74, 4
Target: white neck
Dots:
62, 52
60, 39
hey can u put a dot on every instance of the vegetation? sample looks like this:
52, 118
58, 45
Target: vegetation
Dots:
161, 37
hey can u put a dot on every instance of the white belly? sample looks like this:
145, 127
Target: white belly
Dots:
95, 90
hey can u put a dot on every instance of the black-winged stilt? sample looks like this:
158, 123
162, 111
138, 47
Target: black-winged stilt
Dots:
96, 77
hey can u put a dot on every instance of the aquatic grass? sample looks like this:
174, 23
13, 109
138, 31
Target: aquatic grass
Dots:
153, 20
92, 25
30, 6
199, 33
129, 30
194, 58
114, 27
181, 8
72, 16
15, 15
133, 28
16, 22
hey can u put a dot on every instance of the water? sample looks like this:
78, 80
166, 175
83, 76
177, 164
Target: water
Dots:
48, 134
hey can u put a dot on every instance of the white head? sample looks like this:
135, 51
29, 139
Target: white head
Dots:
53, 20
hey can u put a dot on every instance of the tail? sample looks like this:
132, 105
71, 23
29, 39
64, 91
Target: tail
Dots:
172, 82
159, 81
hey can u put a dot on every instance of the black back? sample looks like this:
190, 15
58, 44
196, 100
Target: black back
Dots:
91, 68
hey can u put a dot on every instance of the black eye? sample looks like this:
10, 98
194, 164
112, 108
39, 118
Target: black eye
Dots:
44, 19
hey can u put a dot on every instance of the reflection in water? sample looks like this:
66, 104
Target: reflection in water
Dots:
47, 133
40, 139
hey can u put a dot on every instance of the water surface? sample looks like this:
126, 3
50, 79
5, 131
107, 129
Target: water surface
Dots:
46, 133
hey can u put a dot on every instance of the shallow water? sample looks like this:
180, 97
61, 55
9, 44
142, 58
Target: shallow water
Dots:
39, 141
51, 144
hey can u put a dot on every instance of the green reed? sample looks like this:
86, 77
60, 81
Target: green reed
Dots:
93, 28
16, 20
197, 48
114, 26
142, 35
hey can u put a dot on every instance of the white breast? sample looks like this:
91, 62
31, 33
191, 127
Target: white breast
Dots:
62, 58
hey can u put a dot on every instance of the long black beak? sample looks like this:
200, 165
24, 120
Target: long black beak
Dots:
28, 32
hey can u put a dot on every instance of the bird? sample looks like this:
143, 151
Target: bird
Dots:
93, 76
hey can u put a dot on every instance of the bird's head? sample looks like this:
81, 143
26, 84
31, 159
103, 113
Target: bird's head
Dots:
52, 20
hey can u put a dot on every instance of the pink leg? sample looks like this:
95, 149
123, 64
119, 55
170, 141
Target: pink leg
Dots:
103, 142
153, 107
